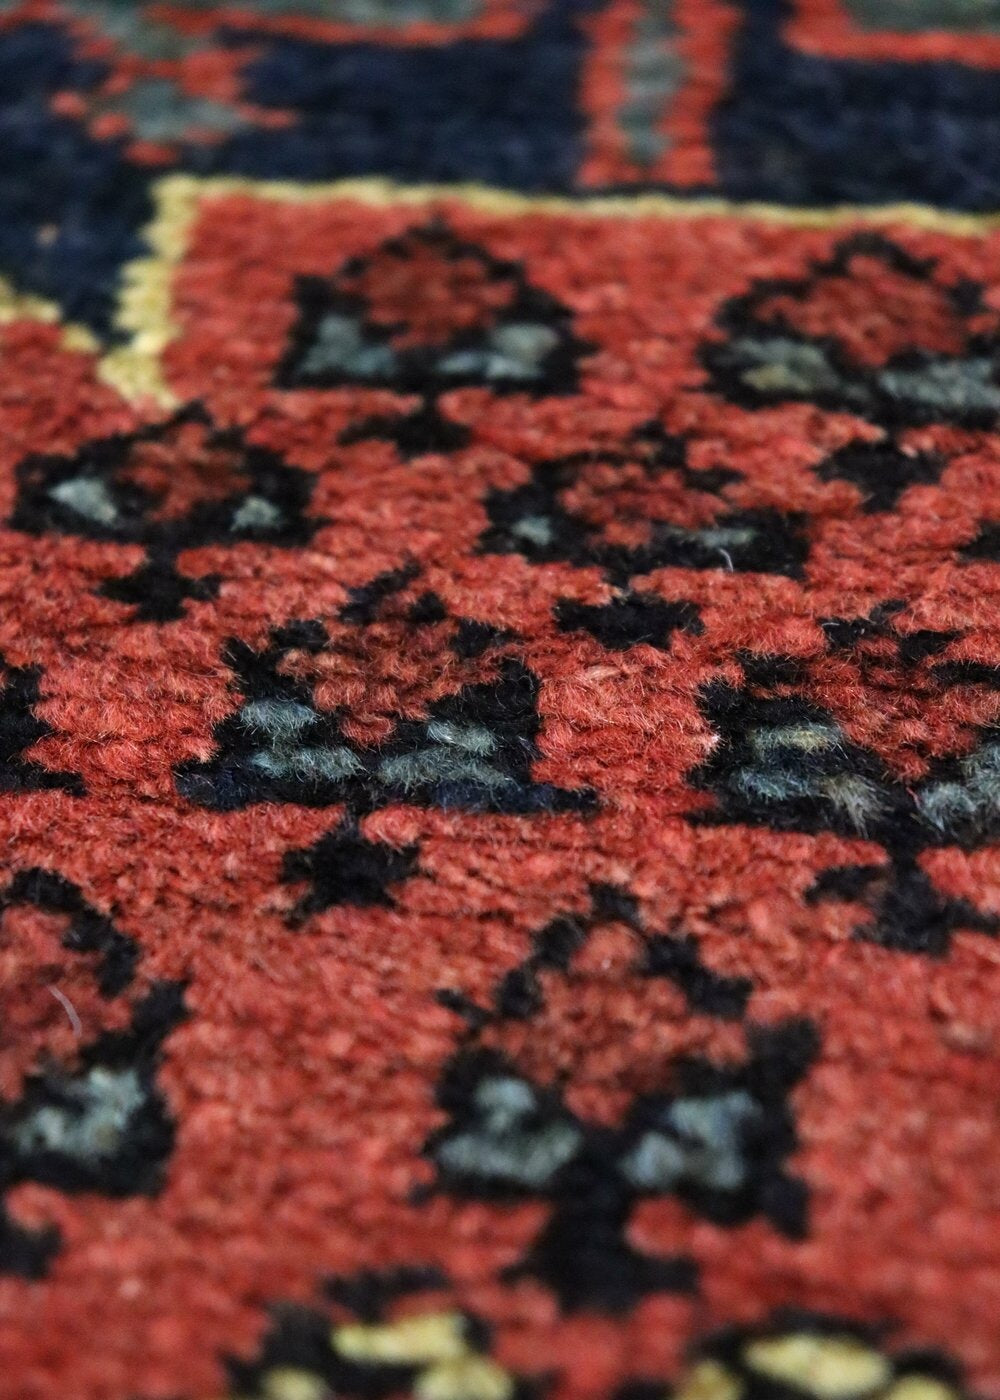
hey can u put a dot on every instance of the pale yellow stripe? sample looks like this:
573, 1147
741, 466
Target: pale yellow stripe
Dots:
135, 369
174, 189
21, 306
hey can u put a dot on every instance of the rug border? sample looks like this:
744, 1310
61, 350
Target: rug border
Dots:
143, 316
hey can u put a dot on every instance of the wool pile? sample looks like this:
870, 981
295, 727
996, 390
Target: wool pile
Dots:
500, 700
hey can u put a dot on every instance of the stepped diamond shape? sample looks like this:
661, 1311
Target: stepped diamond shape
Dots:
427, 312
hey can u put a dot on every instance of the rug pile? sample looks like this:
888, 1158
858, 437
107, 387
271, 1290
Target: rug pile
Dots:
500, 700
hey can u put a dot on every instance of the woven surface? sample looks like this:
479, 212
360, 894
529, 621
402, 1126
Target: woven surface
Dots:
500, 700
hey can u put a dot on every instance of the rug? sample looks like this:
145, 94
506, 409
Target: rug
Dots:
500, 700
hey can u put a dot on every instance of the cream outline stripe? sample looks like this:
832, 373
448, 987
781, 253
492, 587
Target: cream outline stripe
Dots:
23, 306
144, 306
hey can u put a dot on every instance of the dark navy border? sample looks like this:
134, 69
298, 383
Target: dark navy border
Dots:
793, 129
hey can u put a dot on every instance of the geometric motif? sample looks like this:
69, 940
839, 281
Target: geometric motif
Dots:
553, 800
812, 103
92, 1119
533, 520
20, 729
801, 1355
177, 485
499, 699
473, 750
427, 312
717, 1140
785, 762
429, 1353
930, 358
650, 83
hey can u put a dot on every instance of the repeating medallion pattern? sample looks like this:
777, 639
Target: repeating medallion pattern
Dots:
501, 790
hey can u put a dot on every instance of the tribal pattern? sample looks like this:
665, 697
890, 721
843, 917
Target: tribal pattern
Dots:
499, 700
519, 704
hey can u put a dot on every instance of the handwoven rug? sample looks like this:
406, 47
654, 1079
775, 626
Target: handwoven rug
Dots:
500, 700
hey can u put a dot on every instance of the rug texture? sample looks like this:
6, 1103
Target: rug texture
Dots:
500, 700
